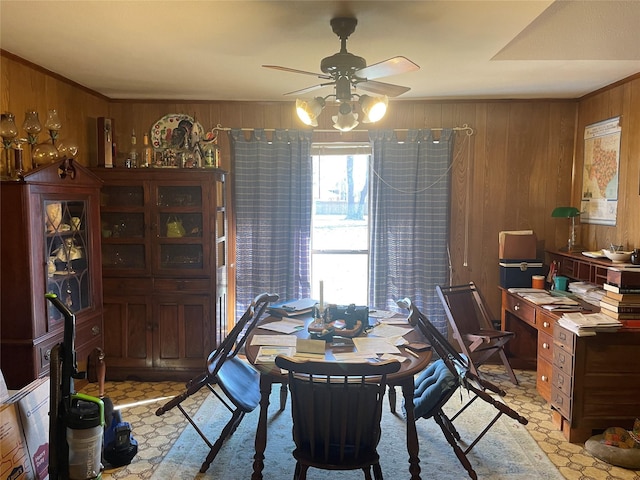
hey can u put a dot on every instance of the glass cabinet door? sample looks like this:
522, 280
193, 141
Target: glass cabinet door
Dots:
122, 220
67, 253
179, 225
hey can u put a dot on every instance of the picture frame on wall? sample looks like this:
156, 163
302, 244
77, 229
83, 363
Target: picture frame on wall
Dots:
600, 179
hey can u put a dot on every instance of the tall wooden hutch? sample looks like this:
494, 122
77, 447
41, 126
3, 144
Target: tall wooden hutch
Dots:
50, 243
164, 264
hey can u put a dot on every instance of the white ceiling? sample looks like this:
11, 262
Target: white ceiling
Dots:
214, 50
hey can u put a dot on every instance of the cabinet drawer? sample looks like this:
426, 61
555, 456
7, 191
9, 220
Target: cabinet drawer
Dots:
128, 286
199, 285
88, 331
543, 379
561, 402
521, 309
545, 347
561, 381
563, 339
562, 360
44, 353
545, 322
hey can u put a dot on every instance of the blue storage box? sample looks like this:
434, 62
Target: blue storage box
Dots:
518, 273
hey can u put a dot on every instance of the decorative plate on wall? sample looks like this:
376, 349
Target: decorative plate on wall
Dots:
176, 131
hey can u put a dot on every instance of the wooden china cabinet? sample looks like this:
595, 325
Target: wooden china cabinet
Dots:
164, 264
50, 243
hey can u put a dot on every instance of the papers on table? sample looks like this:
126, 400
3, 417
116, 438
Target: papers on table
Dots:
286, 325
548, 301
389, 331
588, 324
268, 353
274, 340
273, 345
374, 345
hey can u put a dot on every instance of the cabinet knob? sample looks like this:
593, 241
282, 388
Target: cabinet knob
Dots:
544, 378
516, 307
95, 330
546, 324
545, 345
47, 355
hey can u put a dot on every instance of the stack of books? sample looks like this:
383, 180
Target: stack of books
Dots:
622, 297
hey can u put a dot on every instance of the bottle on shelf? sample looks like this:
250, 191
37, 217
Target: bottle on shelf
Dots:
147, 152
132, 158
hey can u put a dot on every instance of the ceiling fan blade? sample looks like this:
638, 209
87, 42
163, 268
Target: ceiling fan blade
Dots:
391, 66
309, 89
381, 88
293, 70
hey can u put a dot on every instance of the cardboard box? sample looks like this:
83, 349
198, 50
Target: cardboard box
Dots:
518, 273
14, 457
516, 244
33, 406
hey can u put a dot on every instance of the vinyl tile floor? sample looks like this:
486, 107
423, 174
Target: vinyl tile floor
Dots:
156, 434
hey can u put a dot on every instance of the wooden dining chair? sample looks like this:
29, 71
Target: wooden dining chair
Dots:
238, 381
336, 410
435, 385
472, 327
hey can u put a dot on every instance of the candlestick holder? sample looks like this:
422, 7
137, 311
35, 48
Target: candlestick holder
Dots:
18, 171
33, 127
8, 131
53, 124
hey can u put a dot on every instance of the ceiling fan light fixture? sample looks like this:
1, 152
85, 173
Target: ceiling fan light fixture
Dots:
346, 120
308, 111
374, 108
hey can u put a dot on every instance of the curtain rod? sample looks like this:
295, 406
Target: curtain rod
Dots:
464, 127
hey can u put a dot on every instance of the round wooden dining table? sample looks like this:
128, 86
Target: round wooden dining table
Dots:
404, 378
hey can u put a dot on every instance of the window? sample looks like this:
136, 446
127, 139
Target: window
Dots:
340, 223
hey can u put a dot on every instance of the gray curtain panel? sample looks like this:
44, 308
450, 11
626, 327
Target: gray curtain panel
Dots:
273, 182
410, 182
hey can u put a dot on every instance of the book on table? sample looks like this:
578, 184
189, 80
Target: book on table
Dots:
617, 289
621, 315
617, 298
621, 307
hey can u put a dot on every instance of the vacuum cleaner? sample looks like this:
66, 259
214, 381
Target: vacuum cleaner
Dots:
76, 421
83, 429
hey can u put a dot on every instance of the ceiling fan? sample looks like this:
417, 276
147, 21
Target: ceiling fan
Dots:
345, 70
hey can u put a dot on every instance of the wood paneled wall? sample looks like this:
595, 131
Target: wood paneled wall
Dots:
26, 87
619, 100
509, 175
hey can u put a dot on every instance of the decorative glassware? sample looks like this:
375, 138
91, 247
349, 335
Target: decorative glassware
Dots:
8, 131
68, 149
53, 124
33, 127
45, 153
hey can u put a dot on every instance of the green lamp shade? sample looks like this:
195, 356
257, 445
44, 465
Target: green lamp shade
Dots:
565, 212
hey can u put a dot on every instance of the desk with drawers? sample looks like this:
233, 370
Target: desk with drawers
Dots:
591, 383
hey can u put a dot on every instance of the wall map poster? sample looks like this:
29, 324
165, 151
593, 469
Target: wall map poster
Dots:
600, 176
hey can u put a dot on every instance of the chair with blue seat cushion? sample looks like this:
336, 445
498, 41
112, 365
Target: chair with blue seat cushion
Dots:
238, 381
441, 379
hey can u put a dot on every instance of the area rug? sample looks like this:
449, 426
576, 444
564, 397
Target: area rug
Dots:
506, 452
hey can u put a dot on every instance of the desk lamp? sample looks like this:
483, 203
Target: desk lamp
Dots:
572, 213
